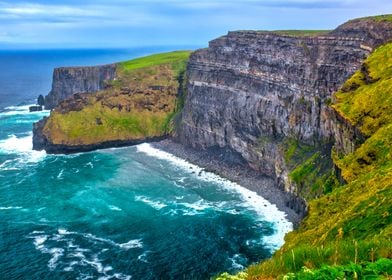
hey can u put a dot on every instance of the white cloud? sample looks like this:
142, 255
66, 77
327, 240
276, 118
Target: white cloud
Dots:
81, 15
40, 11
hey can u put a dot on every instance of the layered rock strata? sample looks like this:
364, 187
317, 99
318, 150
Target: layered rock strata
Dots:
249, 90
70, 80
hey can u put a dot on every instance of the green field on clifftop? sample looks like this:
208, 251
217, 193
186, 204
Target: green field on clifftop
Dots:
175, 59
302, 33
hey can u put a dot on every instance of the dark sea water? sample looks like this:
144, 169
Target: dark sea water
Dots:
130, 213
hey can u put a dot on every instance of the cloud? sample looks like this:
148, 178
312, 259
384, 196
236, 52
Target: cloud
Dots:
223, 4
47, 12
140, 22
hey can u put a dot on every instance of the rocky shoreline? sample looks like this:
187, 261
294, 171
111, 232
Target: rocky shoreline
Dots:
231, 166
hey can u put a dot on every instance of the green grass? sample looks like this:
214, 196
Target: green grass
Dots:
382, 269
365, 101
177, 59
311, 167
340, 253
75, 128
302, 33
386, 17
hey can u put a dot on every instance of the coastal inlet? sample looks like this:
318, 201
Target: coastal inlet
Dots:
134, 212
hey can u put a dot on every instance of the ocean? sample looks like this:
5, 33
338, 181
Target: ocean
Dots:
128, 213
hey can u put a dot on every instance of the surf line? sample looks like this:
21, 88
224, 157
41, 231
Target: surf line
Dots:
265, 210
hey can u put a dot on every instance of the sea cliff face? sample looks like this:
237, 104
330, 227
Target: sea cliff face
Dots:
70, 80
250, 90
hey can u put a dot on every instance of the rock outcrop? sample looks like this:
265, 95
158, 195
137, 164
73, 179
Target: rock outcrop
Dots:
248, 90
112, 105
35, 108
70, 80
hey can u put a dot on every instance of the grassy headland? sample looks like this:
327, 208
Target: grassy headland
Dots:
139, 104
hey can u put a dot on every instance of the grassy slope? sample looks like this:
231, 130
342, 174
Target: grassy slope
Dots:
304, 33
175, 59
387, 17
353, 224
129, 109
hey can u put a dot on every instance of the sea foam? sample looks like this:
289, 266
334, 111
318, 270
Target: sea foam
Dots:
67, 254
154, 204
22, 110
11, 208
21, 146
266, 211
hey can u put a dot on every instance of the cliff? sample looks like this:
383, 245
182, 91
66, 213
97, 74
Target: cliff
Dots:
253, 91
312, 113
70, 80
135, 106
350, 228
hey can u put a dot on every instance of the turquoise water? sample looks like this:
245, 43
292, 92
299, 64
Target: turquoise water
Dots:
131, 213
124, 213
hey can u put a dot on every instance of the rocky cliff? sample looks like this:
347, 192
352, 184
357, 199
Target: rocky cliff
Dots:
249, 91
112, 105
70, 80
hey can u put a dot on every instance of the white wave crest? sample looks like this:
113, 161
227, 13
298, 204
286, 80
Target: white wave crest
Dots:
11, 208
114, 208
236, 261
136, 243
154, 204
22, 110
143, 257
67, 255
22, 146
267, 212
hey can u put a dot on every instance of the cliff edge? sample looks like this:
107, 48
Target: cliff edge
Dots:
70, 80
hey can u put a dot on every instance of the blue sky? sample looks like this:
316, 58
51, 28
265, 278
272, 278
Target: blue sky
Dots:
129, 23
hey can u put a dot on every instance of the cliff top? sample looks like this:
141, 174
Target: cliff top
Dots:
379, 18
374, 31
175, 59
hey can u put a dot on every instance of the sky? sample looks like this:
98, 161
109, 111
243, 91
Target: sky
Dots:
135, 23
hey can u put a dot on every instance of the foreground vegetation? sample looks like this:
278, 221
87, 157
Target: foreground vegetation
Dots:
139, 104
348, 231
